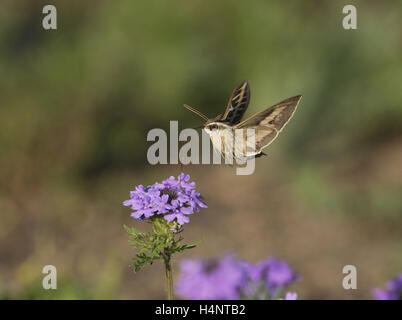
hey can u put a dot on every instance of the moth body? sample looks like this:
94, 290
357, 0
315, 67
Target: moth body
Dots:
234, 138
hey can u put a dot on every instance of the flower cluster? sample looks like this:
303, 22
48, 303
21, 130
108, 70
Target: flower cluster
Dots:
393, 290
271, 274
173, 198
230, 278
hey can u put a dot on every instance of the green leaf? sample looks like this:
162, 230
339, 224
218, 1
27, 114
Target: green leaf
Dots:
159, 243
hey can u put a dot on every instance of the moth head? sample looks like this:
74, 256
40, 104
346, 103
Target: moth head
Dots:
211, 126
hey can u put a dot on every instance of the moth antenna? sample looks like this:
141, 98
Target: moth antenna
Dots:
196, 112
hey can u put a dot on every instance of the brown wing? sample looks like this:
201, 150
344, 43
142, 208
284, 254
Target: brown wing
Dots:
237, 104
269, 122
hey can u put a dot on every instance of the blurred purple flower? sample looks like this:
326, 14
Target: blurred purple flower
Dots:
211, 279
393, 290
278, 274
229, 278
272, 273
290, 296
174, 198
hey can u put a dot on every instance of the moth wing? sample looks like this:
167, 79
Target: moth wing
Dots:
250, 144
237, 103
269, 122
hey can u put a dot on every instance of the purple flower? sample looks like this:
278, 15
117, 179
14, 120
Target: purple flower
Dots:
211, 279
271, 273
290, 296
393, 290
173, 198
278, 274
230, 278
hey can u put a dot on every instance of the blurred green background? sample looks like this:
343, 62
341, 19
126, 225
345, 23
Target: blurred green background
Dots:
77, 103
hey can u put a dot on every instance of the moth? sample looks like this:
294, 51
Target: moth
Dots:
229, 135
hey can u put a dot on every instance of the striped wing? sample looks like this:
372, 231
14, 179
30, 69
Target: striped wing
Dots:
237, 104
268, 123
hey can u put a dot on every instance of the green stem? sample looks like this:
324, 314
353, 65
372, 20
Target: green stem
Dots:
169, 278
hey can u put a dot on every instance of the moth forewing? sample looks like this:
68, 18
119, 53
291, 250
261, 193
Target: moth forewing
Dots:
237, 104
264, 137
269, 122
276, 116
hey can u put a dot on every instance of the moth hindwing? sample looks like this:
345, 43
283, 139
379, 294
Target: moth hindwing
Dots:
242, 140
